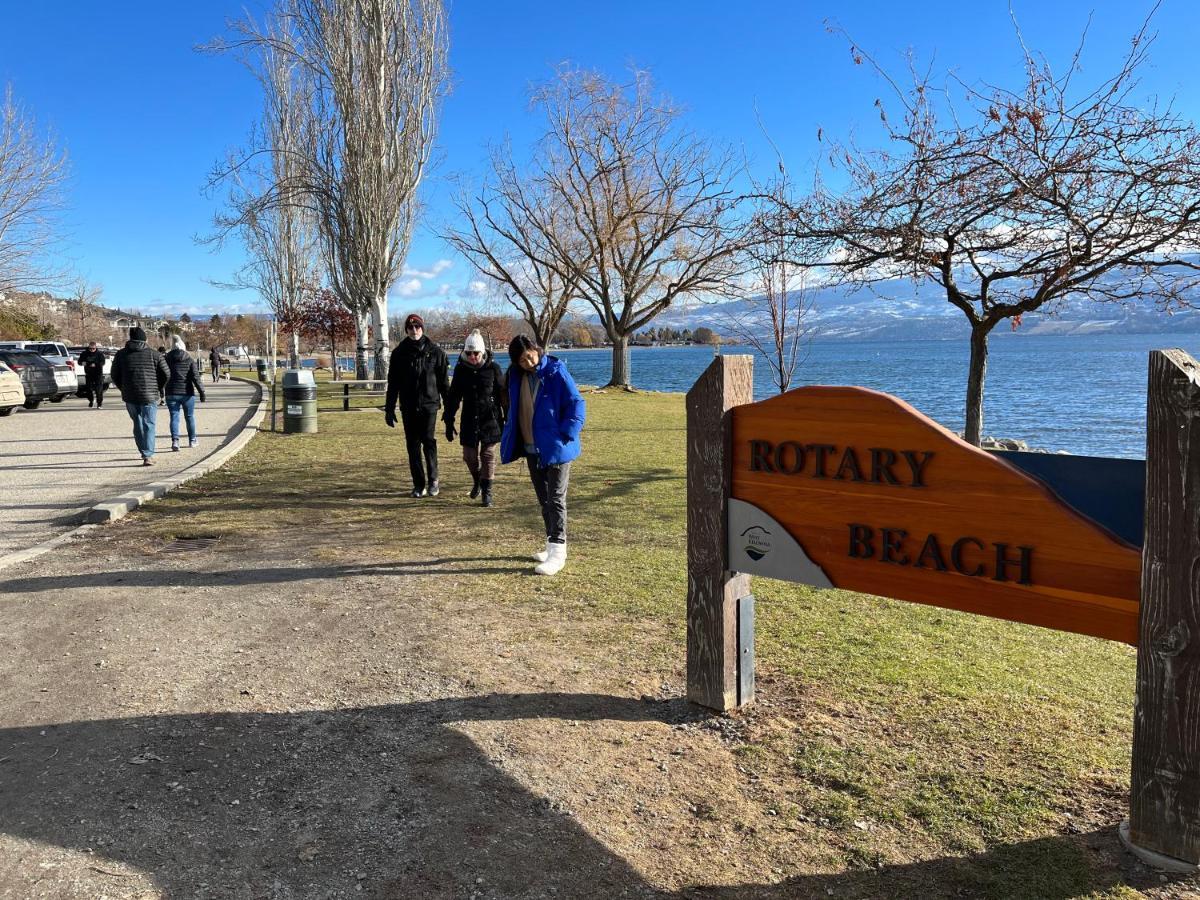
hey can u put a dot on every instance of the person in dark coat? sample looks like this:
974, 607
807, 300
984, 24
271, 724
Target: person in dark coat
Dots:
183, 387
417, 379
545, 417
92, 359
214, 363
140, 373
478, 386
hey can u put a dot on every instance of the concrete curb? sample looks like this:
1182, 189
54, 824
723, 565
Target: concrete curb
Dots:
122, 504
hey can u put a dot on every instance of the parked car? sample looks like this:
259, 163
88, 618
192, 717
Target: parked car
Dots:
55, 353
81, 376
12, 392
37, 375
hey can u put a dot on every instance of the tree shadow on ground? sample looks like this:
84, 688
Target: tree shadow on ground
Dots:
389, 801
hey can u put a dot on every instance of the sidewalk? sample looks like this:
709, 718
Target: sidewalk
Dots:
58, 461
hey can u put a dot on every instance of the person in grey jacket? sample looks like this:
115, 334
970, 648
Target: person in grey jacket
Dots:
182, 389
140, 373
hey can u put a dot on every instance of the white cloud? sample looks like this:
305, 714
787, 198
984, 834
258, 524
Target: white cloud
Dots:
432, 272
475, 289
409, 288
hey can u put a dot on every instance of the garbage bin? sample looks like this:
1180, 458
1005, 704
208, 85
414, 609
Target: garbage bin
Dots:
299, 402
261, 364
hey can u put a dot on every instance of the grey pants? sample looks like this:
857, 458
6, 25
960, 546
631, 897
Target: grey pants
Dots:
550, 485
480, 460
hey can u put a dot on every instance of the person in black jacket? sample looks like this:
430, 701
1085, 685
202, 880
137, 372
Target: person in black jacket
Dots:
478, 385
140, 373
182, 389
92, 359
417, 379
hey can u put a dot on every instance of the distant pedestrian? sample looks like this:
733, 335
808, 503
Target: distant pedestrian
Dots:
93, 359
214, 363
140, 373
417, 380
478, 386
546, 415
183, 387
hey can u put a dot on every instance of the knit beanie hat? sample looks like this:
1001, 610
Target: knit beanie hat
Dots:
474, 343
414, 319
137, 333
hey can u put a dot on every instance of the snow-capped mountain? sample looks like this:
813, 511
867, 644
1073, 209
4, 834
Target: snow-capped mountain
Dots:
898, 311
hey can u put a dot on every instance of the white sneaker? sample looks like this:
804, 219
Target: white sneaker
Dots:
555, 561
543, 554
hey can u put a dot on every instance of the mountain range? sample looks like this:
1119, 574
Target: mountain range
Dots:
899, 311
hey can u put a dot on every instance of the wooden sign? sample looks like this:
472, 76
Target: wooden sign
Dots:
851, 488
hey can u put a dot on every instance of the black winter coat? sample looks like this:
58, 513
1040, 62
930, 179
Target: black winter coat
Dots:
185, 375
481, 392
93, 364
417, 375
140, 372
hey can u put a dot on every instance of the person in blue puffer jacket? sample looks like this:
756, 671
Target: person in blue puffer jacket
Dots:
545, 416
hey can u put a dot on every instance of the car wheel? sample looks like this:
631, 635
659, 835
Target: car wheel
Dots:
32, 404
7, 411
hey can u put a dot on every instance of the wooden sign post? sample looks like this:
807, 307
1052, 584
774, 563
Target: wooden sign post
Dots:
714, 662
850, 488
1164, 804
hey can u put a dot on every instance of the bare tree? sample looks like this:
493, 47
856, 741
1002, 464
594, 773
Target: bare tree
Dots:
377, 71
1019, 200
266, 191
32, 179
521, 240
650, 203
85, 296
773, 314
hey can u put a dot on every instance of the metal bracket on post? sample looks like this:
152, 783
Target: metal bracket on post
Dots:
745, 638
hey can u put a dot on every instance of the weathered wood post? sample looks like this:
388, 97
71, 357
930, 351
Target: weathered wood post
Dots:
713, 659
1164, 805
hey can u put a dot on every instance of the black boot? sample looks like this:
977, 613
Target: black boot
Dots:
475, 488
486, 488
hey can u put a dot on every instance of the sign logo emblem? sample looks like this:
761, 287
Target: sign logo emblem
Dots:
758, 542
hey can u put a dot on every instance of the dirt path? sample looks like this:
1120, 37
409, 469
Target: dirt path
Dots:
233, 723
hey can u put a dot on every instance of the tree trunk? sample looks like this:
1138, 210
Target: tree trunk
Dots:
360, 349
379, 322
620, 362
337, 369
294, 350
976, 375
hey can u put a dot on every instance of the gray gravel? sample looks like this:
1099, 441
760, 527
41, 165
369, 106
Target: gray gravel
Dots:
61, 459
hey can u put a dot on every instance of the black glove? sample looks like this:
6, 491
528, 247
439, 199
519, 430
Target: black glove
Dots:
389, 416
450, 432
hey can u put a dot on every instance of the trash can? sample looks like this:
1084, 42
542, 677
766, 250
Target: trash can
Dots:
299, 402
261, 364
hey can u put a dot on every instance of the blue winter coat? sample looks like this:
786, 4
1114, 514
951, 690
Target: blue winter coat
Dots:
558, 414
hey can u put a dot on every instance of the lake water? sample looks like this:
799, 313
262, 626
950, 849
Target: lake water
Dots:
1082, 394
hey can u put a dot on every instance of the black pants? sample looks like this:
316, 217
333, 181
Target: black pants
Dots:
550, 485
94, 388
419, 436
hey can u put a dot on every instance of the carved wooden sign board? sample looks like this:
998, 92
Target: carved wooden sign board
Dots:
850, 488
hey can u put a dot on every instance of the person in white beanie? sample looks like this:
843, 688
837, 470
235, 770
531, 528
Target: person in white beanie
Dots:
478, 387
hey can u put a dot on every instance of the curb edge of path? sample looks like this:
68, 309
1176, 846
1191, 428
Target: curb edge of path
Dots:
124, 503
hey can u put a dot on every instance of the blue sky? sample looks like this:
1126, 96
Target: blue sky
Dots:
144, 117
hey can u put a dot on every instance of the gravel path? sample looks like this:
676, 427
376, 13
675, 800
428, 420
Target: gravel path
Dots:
59, 460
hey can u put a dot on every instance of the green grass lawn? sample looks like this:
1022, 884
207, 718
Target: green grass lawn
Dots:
905, 731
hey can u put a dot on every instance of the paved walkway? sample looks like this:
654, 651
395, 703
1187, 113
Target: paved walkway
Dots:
61, 459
